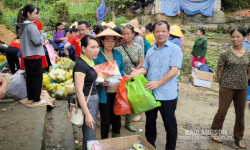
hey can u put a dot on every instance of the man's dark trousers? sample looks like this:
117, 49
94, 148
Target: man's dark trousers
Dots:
167, 110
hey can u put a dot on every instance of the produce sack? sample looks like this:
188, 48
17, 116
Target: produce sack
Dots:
68, 82
46, 81
55, 66
121, 104
108, 69
69, 85
68, 75
4, 64
57, 91
16, 88
2, 58
58, 76
66, 63
140, 99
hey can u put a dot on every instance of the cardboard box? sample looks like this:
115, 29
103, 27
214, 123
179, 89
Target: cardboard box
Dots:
203, 75
202, 83
127, 141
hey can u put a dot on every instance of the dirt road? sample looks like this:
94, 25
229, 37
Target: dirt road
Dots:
195, 111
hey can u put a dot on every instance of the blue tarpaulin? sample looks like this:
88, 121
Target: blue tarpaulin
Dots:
193, 7
101, 11
170, 7
190, 7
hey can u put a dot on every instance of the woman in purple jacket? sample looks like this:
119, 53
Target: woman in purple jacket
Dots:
59, 35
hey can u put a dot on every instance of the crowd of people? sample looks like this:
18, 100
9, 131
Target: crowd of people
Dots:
155, 51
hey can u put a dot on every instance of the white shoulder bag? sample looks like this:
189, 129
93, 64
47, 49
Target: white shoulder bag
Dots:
76, 115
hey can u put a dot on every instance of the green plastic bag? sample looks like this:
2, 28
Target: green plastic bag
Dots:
58, 76
46, 81
140, 99
4, 64
66, 64
57, 91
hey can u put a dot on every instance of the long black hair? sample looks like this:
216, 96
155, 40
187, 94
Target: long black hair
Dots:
58, 24
149, 27
22, 14
85, 40
98, 28
74, 29
202, 31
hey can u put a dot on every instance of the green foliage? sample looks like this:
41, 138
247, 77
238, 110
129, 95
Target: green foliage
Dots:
10, 18
233, 5
83, 11
186, 67
52, 11
61, 9
214, 35
212, 57
13, 4
120, 19
121, 3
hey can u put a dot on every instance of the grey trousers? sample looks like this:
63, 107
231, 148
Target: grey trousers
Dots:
90, 134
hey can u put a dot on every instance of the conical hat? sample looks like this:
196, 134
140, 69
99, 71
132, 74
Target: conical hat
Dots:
74, 24
135, 24
120, 40
176, 31
103, 23
110, 24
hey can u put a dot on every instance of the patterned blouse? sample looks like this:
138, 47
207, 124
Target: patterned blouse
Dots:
234, 74
133, 53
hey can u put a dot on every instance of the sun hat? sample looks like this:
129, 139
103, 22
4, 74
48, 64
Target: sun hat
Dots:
176, 31
74, 24
120, 40
110, 24
135, 24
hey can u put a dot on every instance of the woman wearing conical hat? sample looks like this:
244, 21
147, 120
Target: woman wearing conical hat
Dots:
108, 40
137, 38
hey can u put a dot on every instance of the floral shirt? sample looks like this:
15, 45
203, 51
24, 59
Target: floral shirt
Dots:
234, 74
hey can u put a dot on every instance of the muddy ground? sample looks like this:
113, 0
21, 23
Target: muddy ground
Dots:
195, 111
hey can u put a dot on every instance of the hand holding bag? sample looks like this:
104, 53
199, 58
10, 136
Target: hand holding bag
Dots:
76, 115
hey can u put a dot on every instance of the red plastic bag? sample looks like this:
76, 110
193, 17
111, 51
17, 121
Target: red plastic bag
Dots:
121, 105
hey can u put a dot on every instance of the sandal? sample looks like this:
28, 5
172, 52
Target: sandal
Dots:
40, 103
26, 104
241, 144
216, 138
